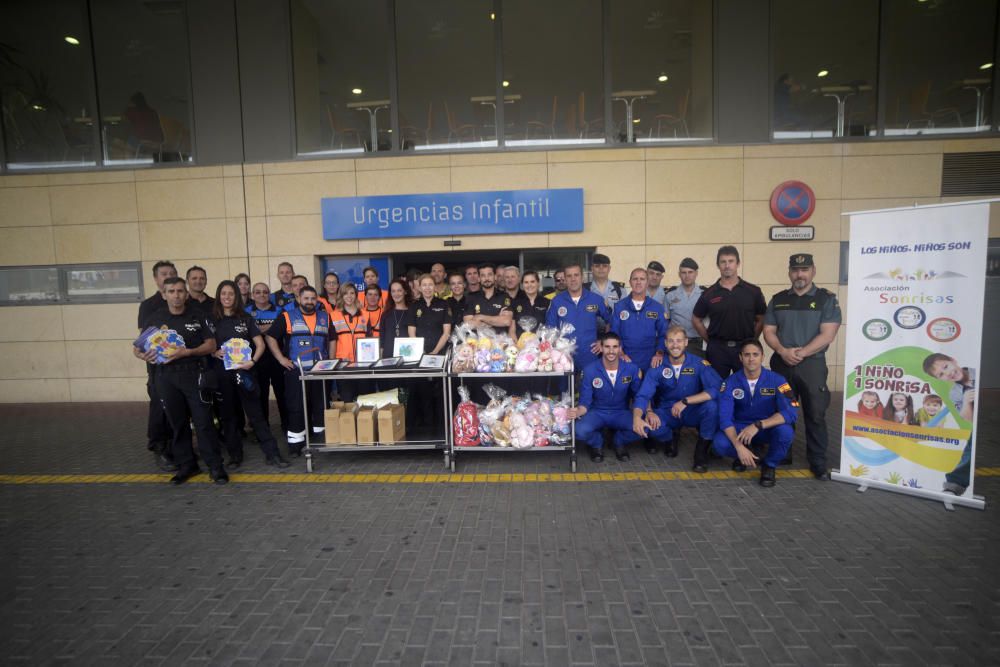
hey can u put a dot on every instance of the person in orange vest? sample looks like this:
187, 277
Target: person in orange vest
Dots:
370, 274
374, 307
328, 293
349, 323
301, 337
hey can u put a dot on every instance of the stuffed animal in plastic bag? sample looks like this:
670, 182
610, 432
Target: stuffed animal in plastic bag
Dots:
561, 421
498, 360
521, 435
482, 361
464, 361
527, 360
466, 421
511, 361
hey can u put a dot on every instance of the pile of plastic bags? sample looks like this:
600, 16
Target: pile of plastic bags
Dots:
483, 350
520, 422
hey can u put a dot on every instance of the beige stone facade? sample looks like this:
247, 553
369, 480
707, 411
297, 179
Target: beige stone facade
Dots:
640, 204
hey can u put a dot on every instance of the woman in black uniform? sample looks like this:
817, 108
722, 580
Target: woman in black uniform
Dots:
527, 306
430, 319
238, 390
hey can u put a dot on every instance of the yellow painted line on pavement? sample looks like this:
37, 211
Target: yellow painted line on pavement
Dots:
428, 478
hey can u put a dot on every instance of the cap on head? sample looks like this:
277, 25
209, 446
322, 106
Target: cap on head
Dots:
801, 260
688, 263
598, 258
655, 266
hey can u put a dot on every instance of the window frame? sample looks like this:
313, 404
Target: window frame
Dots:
63, 297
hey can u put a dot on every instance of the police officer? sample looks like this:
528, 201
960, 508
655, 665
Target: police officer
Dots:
512, 282
529, 307
197, 280
158, 435
609, 290
680, 300
490, 305
755, 408
298, 282
456, 298
558, 284
654, 276
429, 318
609, 384
177, 383
303, 336
640, 321
283, 295
581, 308
471, 279
683, 393
800, 324
269, 371
736, 311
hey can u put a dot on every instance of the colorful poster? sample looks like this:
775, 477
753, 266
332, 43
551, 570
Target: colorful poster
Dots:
914, 334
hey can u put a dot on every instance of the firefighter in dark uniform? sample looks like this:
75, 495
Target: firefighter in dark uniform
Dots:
177, 383
800, 324
158, 435
269, 372
756, 407
735, 309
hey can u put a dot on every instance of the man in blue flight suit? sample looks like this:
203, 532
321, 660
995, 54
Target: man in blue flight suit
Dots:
581, 308
755, 407
682, 394
608, 386
641, 323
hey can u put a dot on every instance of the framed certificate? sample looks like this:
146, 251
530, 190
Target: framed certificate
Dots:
367, 350
411, 349
388, 362
435, 361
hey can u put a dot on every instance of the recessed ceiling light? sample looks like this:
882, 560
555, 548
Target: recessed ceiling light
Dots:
72, 40
986, 66
822, 73
493, 16
636, 120
506, 84
356, 91
662, 78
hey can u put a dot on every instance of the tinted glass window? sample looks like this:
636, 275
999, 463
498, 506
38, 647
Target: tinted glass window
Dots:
144, 83
46, 84
23, 286
447, 73
340, 56
939, 66
661, 77
825, 61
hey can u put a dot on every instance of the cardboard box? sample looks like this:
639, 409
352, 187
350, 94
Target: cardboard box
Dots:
367, 426
331, 418
391, 424
348, 428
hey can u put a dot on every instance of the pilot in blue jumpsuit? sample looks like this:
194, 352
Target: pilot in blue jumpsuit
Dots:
642, 324
582, 314
608, 387
682, 392
755, 407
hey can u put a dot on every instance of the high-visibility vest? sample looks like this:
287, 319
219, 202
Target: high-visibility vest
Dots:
349, 328
303, 344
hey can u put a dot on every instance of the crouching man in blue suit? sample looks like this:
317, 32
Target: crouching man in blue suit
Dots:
755, 408
609, 384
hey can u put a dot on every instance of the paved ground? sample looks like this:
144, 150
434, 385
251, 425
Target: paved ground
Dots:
670, 572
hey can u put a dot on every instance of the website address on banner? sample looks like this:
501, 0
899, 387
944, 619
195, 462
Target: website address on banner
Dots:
900, 434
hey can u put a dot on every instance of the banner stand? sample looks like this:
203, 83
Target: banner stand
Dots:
975, 502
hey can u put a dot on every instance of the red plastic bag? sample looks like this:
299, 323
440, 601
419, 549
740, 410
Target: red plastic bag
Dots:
466, 421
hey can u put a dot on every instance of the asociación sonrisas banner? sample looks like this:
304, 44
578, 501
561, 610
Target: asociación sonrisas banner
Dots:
914, 335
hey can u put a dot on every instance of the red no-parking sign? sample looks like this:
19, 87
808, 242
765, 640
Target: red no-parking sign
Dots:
792, 203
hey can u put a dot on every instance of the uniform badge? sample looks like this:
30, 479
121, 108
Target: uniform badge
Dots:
592, 308
477, 308
652, 315
767, 391
688, 371
738, 394
520, 308
626, 379
597, 383
722, 387
419, 312
561, 312
668, 372
623, 315
506, 302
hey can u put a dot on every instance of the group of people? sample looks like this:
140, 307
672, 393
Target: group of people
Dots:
638, 349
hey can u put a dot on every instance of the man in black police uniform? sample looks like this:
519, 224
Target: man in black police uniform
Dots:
489, 305
800, 324
197, 280
735, 309
158, 435
472, 279
177, 383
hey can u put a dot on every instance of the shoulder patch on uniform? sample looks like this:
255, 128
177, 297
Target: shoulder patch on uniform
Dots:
705, 362
738, 394
722, 387
597, 383
784, 388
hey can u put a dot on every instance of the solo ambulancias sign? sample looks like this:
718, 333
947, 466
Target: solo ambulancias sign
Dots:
453, 213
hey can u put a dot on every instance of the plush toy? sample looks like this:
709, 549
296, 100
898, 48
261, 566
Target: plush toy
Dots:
464, 361
521, 435
527, 360
545, 364
525, 339
482, 360
497, 360
511, 360
466, 421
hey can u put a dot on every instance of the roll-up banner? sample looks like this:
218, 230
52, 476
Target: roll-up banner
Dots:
914, 335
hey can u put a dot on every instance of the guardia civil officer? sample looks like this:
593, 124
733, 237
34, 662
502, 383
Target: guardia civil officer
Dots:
609, 384
238, 392
680, 301
269, 372
654, 276
682, 393
755, 408
735, 309
581, 308
800, 324
302, 336
609, 290
640, 321
177, 383
158, 434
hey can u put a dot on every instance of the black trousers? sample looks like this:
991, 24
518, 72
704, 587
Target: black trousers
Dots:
297, 416
808, 381
270, 374
725, 358
178, 392
158, 433
235, 399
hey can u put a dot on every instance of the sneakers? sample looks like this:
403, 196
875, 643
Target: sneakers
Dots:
953, 488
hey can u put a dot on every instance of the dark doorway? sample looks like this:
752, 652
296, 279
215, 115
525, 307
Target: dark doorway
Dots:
453, 261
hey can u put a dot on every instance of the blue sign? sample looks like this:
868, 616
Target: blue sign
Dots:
351, 270
453, 213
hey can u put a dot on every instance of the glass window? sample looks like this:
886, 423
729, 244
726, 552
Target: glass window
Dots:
20, 286
824, 64
46, 84
661, 70
447, 73
939, 68
341, 74
102, 283
553, 72
143, 77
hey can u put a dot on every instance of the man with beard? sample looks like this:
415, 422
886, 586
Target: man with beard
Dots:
158, 435
609, 384
490, 305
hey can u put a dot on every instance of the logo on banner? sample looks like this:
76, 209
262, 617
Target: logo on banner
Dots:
909, 317
944, 329
876, 330
792, 203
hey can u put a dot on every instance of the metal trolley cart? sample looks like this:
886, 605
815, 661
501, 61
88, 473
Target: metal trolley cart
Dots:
571, 447
398, 373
